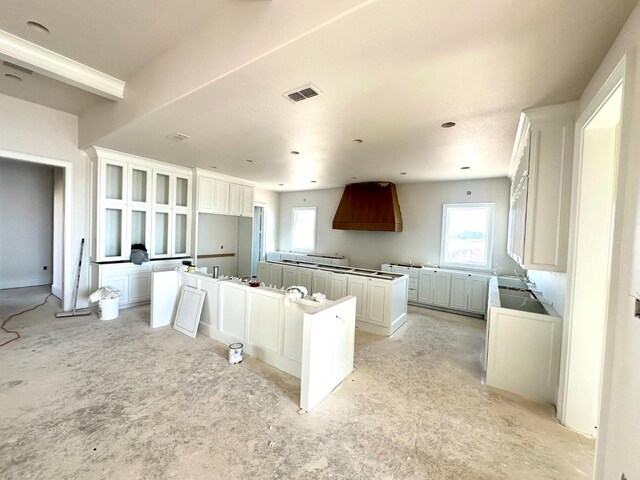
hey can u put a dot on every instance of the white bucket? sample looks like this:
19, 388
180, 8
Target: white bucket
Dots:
235, 353
108, 308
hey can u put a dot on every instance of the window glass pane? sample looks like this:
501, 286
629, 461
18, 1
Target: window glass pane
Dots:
162, 234
180, 233
138, 227
467, 232
162, 189
114, 175
138, 185
181, 191
304, 229
113, 232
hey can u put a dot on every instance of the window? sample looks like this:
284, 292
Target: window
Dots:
303, 229
467, 235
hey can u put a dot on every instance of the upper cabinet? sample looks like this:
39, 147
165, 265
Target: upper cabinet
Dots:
216, 195
137, 200
540, 172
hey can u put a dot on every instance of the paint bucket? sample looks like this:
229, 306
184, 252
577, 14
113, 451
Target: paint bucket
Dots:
235, 353
108, 308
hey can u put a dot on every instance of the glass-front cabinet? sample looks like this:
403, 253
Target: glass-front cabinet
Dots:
138, 201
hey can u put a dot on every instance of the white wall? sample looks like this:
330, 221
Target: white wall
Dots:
218, 234
26, 224
421, 207
28, 130
271, 202
619, 436
553, 287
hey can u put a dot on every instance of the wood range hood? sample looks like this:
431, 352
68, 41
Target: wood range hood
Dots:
369, 206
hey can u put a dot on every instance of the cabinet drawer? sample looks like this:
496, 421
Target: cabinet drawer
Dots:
413, 294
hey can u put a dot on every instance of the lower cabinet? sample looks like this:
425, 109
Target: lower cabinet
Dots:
357, 287
132, 281
469, 292
434, 288
337, 286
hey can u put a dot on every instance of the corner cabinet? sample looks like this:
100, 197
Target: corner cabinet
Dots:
223, 197
540, 172
137, 200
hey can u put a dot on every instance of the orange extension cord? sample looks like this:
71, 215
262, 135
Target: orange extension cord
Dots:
14, 332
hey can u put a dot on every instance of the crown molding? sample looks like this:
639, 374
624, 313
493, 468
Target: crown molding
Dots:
53, 65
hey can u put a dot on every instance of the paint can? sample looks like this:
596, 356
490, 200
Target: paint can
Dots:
235, 353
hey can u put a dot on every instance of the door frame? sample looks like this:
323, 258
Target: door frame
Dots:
617, 79
67, 215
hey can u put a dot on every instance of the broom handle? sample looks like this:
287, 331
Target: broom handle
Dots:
77, 285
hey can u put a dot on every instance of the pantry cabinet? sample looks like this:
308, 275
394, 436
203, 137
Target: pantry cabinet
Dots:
138, 201
540, 172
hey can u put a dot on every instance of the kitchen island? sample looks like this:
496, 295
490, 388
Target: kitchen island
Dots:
381, 297
309, 340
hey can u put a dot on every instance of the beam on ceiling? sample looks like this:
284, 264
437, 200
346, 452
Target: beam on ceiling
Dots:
53, 65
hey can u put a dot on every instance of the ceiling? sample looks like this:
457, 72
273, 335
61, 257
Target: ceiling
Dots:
391, 72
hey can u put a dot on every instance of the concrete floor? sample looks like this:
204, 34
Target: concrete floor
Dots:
85, 399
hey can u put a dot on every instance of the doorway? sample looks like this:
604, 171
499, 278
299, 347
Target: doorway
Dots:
590, 257
257, 241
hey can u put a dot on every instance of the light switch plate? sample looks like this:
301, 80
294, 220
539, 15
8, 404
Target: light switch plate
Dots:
637, 309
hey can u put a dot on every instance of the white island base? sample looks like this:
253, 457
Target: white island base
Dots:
311, 341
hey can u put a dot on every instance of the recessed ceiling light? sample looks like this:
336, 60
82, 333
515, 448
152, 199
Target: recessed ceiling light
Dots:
448, 124
38, 27
359, 140
249, 161
212, 166
281, 184
354, 178
177, 137
465, 168
314, 181
13, 77
403, 173
295, 152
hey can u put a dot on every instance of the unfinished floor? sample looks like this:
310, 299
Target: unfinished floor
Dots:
85, 399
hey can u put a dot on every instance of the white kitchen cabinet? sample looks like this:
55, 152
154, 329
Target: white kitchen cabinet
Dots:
321, 282
235, 199
274, 276
247, 201
289, 276
378, 307
477, 302
233, 310
220, 197
263, 272
427, 283
338, 286
540, 172
459, 291
434, 287
137, 200
205, 194
304, 278
358, 287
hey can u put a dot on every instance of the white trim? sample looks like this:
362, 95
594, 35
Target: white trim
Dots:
53, 65
96, 153
490, 227
67, 228
615, 80
315, 229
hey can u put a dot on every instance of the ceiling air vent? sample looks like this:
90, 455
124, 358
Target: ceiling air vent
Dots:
303, 93
177, 137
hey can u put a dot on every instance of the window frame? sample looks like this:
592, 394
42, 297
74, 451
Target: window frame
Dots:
446, 207
315, 228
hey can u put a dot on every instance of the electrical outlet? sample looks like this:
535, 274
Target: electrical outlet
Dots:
221, 247
44, 268
637, 312
623, 477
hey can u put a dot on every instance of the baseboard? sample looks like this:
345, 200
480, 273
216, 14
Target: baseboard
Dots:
24, 282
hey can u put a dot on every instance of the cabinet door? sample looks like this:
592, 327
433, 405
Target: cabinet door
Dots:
235, 199
247, 201
338, 286
275, 276
426, 286
113, 185
181, 234
357, 287
161, 241
139, 186
478, 294
112, 241
205, 195
181, 191
119, 282
139, 226
305, 279
221, 197
378, 302
459, 291
441, 289
263, 272
139, 287
289, 276
162, 188
233, 310
321, 282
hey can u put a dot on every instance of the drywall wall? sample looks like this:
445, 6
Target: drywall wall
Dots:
619, 436
218, 234
27, 225
245, 237
39, 134
421, 206
271, 202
